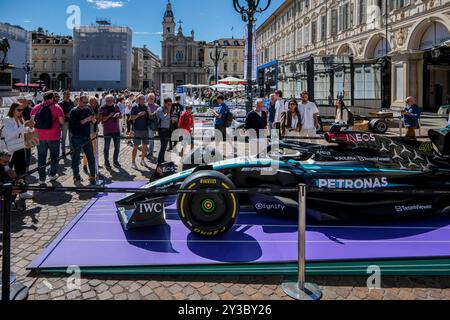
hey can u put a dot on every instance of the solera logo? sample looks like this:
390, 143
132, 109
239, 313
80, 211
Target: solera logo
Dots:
74, 19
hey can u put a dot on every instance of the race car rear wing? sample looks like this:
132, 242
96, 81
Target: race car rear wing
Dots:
441, 140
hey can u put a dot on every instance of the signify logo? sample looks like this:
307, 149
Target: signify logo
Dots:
374, 183
270, 206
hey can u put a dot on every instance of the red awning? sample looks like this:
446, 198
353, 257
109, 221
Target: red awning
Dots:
34, 85
20, 85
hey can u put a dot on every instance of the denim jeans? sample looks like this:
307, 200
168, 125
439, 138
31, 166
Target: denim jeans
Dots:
64, 134
151, 142
116, 140
164, 135
43, 148
82, 143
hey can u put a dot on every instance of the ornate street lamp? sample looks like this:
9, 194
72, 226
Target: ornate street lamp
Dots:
248, 11
217, 56
208, 70
27, 67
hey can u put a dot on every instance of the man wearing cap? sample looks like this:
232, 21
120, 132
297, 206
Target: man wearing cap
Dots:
49, 139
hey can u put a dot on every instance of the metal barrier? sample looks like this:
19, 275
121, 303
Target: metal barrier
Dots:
15, 290
302, 290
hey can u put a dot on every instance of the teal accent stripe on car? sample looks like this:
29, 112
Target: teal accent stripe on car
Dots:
355, 169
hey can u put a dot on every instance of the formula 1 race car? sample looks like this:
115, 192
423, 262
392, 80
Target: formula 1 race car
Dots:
352, 161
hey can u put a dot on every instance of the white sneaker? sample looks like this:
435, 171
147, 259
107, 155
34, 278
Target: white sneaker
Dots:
143, 163
26, 195
54, 178
134, 166
42, 183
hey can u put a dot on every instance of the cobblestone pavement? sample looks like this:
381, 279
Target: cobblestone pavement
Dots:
48, 213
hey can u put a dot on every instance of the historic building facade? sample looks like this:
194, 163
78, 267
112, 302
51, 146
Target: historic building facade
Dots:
52, 61
182, 57
151, 64
102, 57
409, 39
20, 52
232, 64
137, 69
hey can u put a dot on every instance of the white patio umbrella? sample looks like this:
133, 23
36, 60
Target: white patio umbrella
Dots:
222, 87
232, 81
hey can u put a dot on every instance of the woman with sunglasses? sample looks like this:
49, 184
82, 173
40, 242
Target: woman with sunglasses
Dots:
14, 128
291, 122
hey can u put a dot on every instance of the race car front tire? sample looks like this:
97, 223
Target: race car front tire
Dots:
208, 214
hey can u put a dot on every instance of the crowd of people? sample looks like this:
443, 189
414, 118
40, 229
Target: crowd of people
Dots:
288, 117
67, 128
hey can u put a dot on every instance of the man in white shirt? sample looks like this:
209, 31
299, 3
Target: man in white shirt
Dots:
310, 116
280, 108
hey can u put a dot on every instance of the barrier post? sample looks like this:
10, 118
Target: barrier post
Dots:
302, 290
400, 124
10, 291
98, 180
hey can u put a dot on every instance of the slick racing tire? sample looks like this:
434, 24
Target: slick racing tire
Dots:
378, 126
208, 215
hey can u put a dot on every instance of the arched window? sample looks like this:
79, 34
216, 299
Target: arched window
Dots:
380, 49
434, 36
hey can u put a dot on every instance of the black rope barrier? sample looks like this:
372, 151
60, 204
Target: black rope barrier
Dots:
270, 190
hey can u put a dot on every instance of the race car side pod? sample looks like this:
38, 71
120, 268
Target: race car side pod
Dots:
11, 290
302, 290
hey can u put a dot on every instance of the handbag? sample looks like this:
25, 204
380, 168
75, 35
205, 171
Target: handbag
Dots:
14, 144
31, 139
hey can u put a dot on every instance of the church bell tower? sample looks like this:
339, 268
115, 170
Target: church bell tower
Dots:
168, 21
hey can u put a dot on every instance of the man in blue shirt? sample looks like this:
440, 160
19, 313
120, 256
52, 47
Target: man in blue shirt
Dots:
221, 116
411, 116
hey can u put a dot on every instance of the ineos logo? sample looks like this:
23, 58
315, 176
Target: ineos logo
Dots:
360, 137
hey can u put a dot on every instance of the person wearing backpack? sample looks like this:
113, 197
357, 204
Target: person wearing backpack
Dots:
221, 116
48, 118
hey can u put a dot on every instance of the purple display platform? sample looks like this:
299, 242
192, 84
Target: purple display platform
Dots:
95, 238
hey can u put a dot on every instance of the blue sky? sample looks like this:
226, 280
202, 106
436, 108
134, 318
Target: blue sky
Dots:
211, 19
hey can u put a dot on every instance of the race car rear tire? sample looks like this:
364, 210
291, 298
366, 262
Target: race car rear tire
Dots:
208, 215
378, 126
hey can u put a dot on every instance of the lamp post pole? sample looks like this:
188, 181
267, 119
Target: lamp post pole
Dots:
218, 56
248, 11
27, 69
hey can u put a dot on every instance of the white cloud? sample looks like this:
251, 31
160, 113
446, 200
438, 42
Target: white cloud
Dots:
27, 21
107, 4
141, 33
